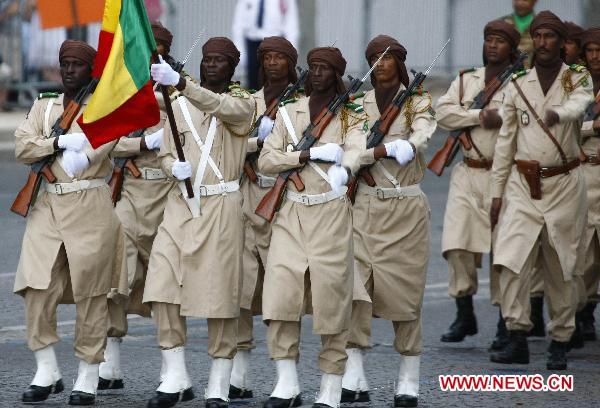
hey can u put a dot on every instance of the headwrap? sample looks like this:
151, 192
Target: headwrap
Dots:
591, 35
278, 44
378, 45
574, 32
333, 57
223, 46
77, 49
506, 31
547, 19
161, 34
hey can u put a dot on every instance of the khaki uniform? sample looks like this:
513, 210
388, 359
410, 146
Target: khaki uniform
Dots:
467, 232
316, 239
558, 219
195, 266
80, 226
391, 235
526, 43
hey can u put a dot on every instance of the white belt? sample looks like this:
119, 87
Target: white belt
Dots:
314, 199
265, 181
74, 187
149, 173
384, 193
221, 188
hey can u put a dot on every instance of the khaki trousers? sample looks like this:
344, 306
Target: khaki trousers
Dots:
283, 339
90, 321
117, 318
245, 327
172, 331
537, 280
560, 295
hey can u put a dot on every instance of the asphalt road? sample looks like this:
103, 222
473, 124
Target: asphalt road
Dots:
141, 357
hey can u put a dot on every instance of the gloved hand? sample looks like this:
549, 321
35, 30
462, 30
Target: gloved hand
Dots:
265, 128
181, 170
154, 141
72, 141
338, 177
401, 150
74, 162
495, 211
490, 119
163, 73
329, 152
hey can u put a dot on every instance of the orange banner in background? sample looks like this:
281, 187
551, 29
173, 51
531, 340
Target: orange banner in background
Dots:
67, 13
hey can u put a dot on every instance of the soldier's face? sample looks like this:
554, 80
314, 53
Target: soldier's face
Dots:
275, 65
572, 52
523, 7
592, 57
497, 49
215, 68
322, 76
386, 70
75, 73
547, 44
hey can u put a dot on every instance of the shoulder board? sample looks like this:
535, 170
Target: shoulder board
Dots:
419, 91
290, 100
251, 91
301, 92
356, 96
466, 71
355, 107
519, 74
234, 89
44, 95
577, 68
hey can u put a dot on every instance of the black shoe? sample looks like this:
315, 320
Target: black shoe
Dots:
104, 384
403, 400
557, 356
576, 341
354, 396
537, 317
35, 393
239, 393
274, 402
465, 323
168, 399
81, 398
320, 405
516, 351
587, 322
501, 339
216, 403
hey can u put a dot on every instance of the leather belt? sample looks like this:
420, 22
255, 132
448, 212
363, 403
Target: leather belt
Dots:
385, 193
149, 173
221, 188
591, 159
74, 187
265, 181
478, 164
546, 172
315, 199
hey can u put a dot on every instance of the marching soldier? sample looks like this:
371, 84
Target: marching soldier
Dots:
140, 209
391, 228
536, 170
310, 259
195, 266
73, 249
573, 49
467, 233
277, 61
521, 18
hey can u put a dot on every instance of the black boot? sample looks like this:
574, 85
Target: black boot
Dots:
557, 356
587, 322
167, 399
350, 396
465, 323
274, 402
405, 401
104, 384
36, 393
239, 393
501, 339
537, 317
81, 398
216, 403
576, 341
516, 351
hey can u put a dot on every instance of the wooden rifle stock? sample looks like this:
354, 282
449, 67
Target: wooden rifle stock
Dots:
272, 200
118, 175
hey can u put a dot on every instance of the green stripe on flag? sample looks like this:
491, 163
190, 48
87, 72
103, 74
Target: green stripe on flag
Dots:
138, 39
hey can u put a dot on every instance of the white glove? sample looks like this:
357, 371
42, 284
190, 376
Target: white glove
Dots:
163, 73
181, 170
401, 150
154, 141
72, 141
265, 128
74, 162
338, 177
329, 152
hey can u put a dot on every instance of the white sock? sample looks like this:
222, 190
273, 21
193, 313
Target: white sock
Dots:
354, 378
287, 379
47, 367
176, 378
408, 378
239, 372
110, 369
330, 392
218, 380
87, 378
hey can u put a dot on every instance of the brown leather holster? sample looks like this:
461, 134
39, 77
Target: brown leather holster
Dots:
531, 170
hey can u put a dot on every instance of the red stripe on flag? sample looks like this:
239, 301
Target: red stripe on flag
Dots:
105, 41
140, 111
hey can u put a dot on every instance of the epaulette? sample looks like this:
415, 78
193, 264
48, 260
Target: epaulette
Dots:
356, 96
251, 91
466, 71
419, 91
44, 95
519, 74
354, 107
577, 68
293, 99
234, 89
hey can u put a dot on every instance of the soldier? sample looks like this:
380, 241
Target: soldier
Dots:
521, 19
467, 233
544, 191
73, 249
573, 48
391, 228
195, 266
277, 58
140, 209
310, 259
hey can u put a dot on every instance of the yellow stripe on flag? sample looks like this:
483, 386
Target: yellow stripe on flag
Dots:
110, 19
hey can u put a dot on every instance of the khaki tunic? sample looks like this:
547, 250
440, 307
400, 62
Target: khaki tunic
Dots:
563, 205
318, 237
197, 262
467, 220
590, 145
140, 210
257, 229
391, 236
83, 222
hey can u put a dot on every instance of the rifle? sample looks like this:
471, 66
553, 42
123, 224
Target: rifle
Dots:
273, 199
41, 168
271, 112
443, 158
382, 126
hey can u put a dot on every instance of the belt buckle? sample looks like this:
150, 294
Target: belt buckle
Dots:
260, 182
200, 189
146, 173
401, 195
223, 187
305, 199
380, 193
58, 189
